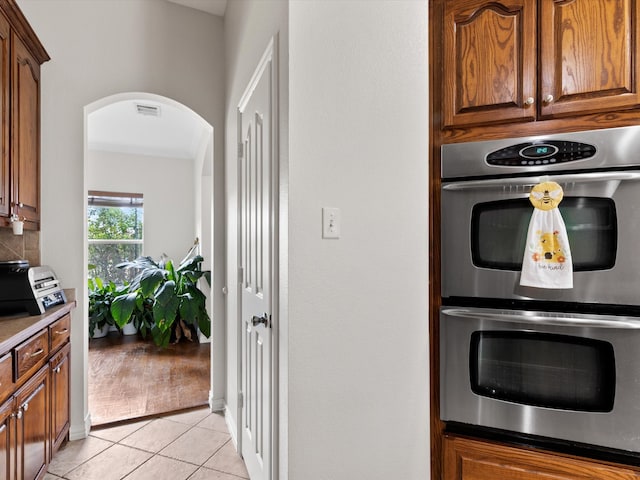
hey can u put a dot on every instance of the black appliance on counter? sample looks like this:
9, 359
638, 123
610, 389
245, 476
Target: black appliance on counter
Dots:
31, 289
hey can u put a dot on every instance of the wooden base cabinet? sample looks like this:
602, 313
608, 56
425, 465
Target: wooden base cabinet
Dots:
7, 449
34, 391
32, 427
59, 370
24, 430
467, 459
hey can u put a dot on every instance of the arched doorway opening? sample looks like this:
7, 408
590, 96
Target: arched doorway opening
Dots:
153, 143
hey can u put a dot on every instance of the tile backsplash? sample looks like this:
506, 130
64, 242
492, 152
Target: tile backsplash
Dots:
20, 247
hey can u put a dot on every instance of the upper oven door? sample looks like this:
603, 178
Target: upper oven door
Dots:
484, 229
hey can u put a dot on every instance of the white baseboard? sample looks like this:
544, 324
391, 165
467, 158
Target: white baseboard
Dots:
78, 432
231, 426
216, 404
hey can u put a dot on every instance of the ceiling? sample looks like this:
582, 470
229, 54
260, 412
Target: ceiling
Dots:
119, 127
214, 7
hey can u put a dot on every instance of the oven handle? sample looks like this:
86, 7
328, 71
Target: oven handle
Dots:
532, 181
538, 318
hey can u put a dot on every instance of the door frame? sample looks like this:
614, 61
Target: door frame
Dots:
270, 56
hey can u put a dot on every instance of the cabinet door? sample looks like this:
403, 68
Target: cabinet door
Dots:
7, 428
59, 368
25, 134
466, 459
589, 56
5, 199
489, 60
33, 426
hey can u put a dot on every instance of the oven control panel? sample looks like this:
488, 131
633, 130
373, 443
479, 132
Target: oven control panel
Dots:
540, 153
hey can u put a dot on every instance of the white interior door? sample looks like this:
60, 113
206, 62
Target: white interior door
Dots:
256, 220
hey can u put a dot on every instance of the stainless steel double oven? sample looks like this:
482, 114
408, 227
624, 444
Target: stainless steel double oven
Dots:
552, 366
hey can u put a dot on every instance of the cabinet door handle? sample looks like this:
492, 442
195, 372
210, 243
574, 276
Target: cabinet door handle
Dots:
25, 406
40, 351
548, 99
57, 369
19, 414
529, 101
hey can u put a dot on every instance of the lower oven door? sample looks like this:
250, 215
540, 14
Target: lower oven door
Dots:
562, 376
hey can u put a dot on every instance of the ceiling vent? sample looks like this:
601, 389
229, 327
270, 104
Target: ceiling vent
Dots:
149, 110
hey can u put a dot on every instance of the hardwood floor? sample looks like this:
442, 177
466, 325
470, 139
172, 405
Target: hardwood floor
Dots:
132, 378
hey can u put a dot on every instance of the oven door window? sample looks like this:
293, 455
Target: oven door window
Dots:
499, 232
544, 370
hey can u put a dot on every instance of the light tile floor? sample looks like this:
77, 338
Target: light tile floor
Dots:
194, 445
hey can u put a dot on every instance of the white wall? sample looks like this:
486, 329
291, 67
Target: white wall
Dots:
358, 306
99, 48
354, 110
169, 218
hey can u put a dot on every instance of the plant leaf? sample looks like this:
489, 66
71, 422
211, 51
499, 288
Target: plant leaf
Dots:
122, 308
150, 279
204, 324
166, 305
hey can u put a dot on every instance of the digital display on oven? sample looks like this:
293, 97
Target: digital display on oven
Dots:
538, 151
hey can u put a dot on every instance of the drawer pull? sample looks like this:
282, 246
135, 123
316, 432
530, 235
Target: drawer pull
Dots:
25, 407
57, 369
61, 332
40, 351
19, 414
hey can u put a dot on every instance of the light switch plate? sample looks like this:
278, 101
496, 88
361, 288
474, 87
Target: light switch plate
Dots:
330, 222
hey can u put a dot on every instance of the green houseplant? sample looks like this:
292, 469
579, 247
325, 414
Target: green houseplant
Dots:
165, 300
101, 296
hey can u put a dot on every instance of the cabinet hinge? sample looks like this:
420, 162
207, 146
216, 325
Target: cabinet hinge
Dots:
240, 275
240, 150
240, 400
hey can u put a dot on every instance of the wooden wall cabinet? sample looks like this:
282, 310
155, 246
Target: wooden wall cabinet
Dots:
25, 132
466, 459
5, 63
21, 55
525, 60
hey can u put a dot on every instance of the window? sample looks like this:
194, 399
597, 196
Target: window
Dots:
499, 232
114, 222
544, 369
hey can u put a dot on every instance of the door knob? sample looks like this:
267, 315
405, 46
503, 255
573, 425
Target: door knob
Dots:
263, 320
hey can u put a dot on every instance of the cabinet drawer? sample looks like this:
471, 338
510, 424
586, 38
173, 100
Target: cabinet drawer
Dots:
6, 376
59, 332
31, 352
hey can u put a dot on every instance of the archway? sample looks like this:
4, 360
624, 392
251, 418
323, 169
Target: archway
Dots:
181, 122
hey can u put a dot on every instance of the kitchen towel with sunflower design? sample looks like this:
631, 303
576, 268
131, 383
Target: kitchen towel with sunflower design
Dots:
547, 257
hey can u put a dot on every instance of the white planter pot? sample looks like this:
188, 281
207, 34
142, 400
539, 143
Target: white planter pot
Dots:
101, 332
129, 329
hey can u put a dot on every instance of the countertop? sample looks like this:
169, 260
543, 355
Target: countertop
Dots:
18, 327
